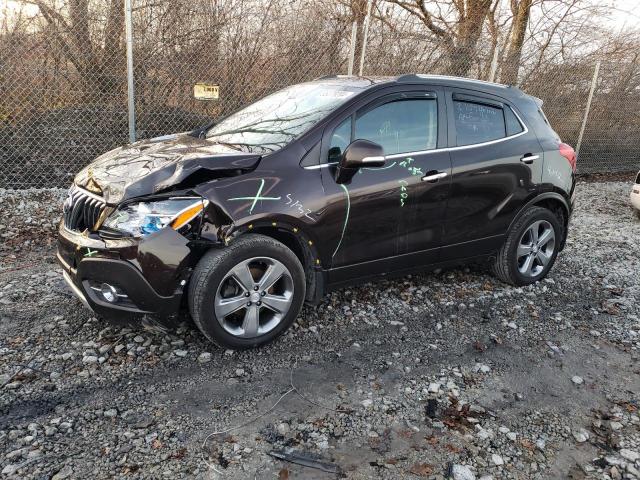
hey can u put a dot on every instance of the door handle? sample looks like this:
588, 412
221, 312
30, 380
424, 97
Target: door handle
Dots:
528, 158
434, 177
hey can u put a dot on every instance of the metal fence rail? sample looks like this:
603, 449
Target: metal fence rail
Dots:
64, 74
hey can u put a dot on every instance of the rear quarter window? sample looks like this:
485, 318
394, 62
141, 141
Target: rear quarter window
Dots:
513, 124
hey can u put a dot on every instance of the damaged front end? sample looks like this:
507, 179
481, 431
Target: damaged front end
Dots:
120, 274
133, 229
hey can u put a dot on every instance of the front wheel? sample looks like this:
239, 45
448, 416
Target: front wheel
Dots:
530, 249
248, 293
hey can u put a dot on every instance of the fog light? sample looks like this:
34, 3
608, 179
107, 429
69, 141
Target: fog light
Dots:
109, 293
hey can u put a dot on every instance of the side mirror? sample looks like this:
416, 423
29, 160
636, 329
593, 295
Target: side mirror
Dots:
359, 153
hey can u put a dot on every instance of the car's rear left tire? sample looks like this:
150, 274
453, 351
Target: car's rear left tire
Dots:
248, 293
530, 248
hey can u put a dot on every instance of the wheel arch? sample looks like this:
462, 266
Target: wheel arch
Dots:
554, 202
296, 240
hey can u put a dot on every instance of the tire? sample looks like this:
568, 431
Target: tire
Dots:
510, 264
216, 289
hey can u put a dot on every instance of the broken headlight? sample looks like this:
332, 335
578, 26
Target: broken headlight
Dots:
142, 218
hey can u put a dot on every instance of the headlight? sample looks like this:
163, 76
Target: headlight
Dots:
143, 218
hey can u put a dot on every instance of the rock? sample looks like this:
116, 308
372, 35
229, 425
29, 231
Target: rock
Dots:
10, 469
577, 380
497, 459
615, 426
204, 357
629, 455
180, 353
90, 359
462, 472
434, 387
65, 472
615, 473
581, 435
366, 403
111, 413
283, 428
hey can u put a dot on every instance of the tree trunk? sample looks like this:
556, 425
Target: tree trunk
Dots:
359, 9
509, 74
469, 28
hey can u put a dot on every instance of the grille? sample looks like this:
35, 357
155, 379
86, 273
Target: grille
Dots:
82, 209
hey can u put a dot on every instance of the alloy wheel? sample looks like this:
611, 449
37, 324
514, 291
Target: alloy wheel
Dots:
254, 297
535, 248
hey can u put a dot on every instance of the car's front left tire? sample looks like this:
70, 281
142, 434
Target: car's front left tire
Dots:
248, 293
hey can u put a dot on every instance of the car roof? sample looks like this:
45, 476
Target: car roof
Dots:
363, 82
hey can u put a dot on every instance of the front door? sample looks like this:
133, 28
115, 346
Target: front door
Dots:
388, 213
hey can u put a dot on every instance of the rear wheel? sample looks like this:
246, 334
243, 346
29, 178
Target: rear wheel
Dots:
530, 248
248, 293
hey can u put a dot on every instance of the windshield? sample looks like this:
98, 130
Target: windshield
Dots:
270, 123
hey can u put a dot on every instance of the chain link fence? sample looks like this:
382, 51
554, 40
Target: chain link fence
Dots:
63, 74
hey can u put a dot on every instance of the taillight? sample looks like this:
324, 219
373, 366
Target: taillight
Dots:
569, 153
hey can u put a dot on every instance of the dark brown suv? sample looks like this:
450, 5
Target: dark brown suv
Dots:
322, 184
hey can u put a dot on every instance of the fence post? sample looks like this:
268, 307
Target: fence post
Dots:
352, 48
586, 110
130, 94
366, 35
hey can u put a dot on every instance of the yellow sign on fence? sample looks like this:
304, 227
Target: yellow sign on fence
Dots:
206, 91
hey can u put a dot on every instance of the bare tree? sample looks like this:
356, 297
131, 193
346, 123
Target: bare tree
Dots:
520, 10
457, 24
99, 64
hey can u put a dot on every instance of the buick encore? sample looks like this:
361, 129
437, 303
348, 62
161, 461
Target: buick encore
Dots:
327, 183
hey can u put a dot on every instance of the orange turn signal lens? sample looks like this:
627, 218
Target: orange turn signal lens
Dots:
186, 215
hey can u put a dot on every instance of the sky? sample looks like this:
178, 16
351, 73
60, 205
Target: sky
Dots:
625, 13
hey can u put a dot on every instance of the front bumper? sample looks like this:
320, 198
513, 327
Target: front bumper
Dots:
150, 273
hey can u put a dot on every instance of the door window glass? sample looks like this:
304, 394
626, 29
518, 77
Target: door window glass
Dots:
401, 126
477, 123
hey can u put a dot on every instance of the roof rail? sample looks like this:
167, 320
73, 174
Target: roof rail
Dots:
417, 77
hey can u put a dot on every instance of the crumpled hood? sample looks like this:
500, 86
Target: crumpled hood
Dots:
150, 166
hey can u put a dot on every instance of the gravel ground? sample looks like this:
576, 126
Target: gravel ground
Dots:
447, 374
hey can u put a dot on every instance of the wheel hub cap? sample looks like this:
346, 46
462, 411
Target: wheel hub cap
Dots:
535, 248
254, 297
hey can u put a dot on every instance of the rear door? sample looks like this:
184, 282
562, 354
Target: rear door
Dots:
496, 167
